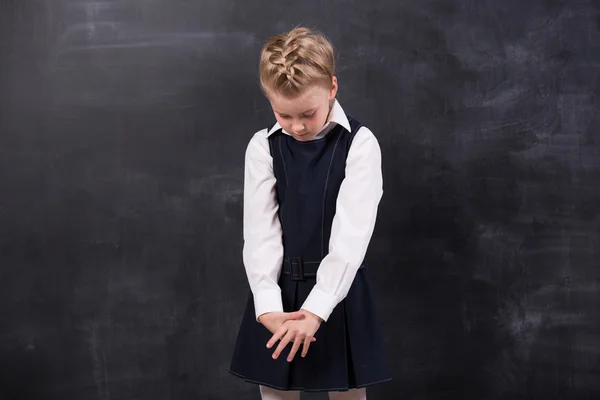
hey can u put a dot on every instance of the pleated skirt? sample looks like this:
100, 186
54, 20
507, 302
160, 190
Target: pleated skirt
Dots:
349, 351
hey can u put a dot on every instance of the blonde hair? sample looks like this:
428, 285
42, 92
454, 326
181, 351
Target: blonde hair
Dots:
293, 61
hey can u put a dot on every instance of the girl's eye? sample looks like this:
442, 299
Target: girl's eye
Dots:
304, 116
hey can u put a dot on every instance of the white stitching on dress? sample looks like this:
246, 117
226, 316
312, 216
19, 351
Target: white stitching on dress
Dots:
325, 195
283, 161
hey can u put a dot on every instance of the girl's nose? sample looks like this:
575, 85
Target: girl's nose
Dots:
297, 127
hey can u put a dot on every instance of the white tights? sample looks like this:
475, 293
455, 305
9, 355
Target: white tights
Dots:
272, 394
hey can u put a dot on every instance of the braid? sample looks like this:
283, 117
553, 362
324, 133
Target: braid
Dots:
290, 61
285, 60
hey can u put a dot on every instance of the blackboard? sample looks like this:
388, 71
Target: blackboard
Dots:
123, 126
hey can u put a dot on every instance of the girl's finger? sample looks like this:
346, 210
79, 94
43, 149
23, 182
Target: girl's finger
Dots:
286, 339
306, 345
277, 335
297, 342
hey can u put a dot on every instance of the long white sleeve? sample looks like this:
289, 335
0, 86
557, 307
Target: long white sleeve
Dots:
353, 225
263, 247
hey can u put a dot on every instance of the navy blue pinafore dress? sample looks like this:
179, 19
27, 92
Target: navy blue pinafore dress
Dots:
349, 351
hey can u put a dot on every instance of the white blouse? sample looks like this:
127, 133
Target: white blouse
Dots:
353, 223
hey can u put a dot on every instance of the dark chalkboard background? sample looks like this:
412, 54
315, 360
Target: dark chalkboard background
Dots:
123, 125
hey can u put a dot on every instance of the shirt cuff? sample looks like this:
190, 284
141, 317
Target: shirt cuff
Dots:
267, 301
320, 303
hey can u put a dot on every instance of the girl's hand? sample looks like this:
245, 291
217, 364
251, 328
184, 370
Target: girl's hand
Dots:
301, 331
273, 320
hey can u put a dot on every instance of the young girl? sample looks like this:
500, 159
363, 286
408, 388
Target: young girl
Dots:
312, 187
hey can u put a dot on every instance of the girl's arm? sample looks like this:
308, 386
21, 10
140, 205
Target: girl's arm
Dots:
353, 224
263, 247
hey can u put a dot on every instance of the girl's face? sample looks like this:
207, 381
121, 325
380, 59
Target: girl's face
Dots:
304, 116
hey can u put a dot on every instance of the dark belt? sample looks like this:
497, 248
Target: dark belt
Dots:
300, 270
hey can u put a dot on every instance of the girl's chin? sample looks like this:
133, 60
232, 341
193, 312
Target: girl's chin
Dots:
304, 138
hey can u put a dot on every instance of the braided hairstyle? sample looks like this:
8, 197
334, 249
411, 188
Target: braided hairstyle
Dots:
293, 61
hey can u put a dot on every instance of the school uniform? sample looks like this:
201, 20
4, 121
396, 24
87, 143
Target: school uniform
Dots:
309, 213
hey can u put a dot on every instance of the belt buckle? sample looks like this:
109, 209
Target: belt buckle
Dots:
297, 269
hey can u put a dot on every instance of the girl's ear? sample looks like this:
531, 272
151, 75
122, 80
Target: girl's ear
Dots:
334, 88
